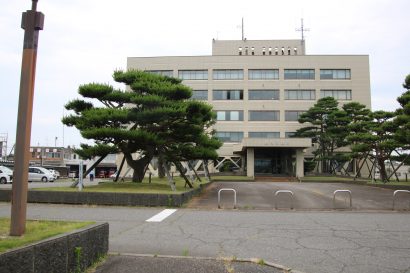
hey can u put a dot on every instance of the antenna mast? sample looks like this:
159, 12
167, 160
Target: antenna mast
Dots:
243, 35
302, 29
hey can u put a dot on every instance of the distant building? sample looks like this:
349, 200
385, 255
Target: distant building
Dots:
258, 89
66, 161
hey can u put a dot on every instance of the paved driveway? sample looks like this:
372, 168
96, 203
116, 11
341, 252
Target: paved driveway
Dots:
311, 241
307, 196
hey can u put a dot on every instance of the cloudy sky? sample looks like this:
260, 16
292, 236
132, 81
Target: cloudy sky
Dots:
85, 40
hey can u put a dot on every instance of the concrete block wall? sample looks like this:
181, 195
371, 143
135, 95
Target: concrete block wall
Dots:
57, 254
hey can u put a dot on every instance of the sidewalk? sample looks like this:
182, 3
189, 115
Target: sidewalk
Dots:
147, 264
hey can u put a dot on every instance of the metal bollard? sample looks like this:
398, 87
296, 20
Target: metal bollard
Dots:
284, 191
219, 197
396, 192
338, 191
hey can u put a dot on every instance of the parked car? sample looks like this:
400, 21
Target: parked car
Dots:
4, 178
55, 173
39, 174
7, 171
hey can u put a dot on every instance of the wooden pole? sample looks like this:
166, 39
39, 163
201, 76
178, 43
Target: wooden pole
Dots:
32, 22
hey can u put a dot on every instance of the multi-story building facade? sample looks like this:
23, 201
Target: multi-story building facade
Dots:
258, 89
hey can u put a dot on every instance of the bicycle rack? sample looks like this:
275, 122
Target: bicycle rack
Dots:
219, 197
284, 191
396, 192
341, 191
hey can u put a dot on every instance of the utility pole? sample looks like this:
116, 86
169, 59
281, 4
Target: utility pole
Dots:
32, 22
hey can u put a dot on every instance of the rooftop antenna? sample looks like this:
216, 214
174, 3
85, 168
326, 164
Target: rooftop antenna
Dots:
243, 35
302, 29
243, 32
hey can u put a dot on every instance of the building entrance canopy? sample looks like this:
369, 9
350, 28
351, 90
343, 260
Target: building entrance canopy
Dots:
301, 143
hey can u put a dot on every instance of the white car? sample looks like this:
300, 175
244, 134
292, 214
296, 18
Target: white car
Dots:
6, 175
39, 174
55, 173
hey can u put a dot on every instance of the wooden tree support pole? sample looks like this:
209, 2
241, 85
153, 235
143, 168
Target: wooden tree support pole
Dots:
119, 170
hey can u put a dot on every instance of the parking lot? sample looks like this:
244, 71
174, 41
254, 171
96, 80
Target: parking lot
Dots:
306, 196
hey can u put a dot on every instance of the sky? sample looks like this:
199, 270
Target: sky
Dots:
84, 41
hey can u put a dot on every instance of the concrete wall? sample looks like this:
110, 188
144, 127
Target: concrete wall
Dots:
57, 254
106, 198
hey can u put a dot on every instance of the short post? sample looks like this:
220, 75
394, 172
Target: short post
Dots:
396, 192
406, 177
342, 191
284, 191
149, 178
80, 176
219, 197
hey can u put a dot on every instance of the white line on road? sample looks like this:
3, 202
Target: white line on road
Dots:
161, 216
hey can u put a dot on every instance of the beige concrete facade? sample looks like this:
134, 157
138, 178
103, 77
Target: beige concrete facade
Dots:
232, 55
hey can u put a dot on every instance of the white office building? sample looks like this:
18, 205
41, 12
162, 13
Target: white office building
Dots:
258, 89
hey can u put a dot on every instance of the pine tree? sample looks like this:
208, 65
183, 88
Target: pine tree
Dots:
153, 118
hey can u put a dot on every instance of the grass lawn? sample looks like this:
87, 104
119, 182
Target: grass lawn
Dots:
233, 178
35, 231
157, 185
393, 183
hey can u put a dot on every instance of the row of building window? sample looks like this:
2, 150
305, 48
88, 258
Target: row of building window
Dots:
237, 115
273, 94
258, 74
238, 136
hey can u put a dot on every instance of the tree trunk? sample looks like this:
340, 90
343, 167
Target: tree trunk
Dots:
383, 173
170, 180
138, 165
161, 170
208, 177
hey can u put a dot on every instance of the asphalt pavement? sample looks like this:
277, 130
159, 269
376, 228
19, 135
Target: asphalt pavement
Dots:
306, 196
144, 264
310, 241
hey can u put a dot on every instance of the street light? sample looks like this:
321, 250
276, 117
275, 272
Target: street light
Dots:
32, 22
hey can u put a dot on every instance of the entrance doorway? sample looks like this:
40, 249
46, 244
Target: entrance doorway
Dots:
274, 161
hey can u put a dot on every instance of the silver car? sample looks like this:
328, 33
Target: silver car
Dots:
39, 174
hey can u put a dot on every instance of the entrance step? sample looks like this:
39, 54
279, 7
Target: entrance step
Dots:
276, 179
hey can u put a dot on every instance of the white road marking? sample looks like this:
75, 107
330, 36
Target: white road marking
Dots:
161, 216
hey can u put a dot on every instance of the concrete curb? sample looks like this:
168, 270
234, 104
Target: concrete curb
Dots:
228, 259
109, 198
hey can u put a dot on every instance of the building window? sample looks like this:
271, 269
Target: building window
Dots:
298, 94
229, 136
335, 74
168, 73
263, 115
193, 74
229, 115
199, 95
264, 134
263, 74
289, 134
299, 74
228, 74
292, 115
263, 94
337, 94
228, 94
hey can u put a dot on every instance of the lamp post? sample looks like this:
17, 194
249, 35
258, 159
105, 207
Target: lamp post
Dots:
32, 22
